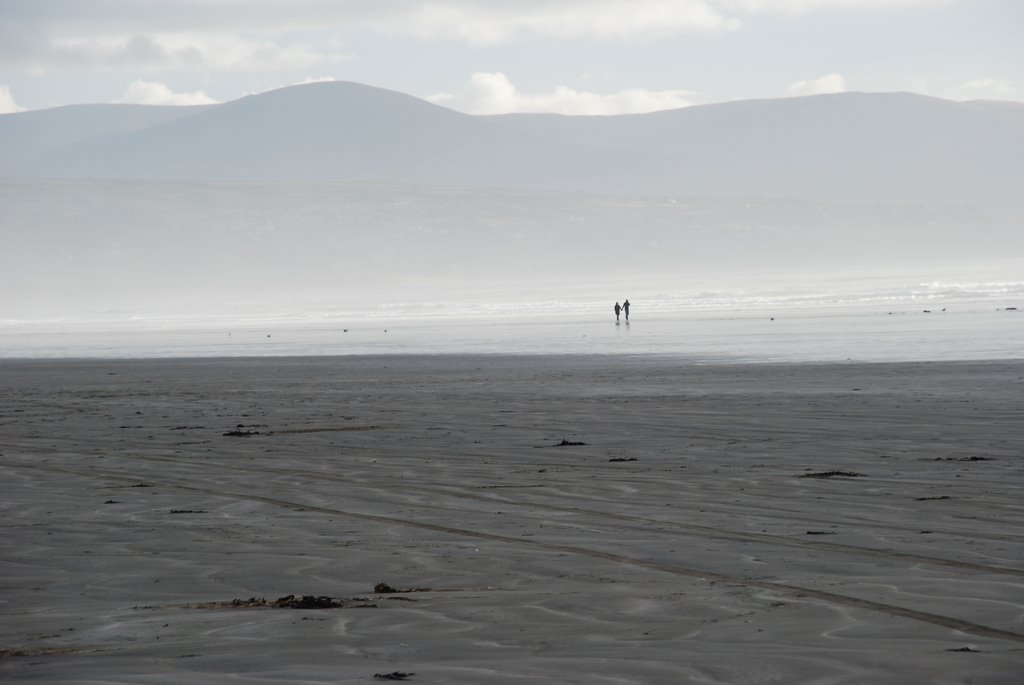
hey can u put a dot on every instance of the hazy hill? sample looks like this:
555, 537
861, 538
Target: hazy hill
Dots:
859, 147
25, 137
863, 148
322, 131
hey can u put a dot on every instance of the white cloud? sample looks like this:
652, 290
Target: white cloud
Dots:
483, 22
226, 51
303, 82
7, 103
219, 51
987, 89
65, 32
794, 7
447, 17
829, 83
152, 93
314, 79
494, 94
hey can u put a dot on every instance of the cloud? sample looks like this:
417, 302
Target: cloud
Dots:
169, 50
493, 93
795, 7
483, 22
314, 79
7, 103
104, 28
281, 34
987, 89
829, 83
152, 93
302, 82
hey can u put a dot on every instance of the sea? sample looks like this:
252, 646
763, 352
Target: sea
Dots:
826, 318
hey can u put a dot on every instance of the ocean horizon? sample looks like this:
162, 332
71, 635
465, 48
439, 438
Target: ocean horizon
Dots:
863, 319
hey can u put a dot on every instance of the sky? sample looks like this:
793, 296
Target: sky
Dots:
495, 56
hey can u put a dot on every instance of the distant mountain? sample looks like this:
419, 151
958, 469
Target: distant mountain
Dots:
859, 147
893, 148
25, 137
323, 131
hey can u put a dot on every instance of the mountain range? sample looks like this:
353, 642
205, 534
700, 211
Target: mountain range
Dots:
882, 148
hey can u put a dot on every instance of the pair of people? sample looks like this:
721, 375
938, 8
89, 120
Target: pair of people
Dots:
624, 308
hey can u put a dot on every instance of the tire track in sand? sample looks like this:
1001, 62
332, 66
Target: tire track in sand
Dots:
650, 524
796, 591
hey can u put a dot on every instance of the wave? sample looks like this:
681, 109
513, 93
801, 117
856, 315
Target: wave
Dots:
776, 295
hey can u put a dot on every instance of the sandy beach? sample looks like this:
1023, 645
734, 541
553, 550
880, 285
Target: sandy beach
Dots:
502, 519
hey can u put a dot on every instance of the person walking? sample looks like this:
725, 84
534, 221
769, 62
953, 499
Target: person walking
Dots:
625, 309
618, 308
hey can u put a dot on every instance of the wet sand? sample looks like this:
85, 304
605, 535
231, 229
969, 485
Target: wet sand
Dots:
560, 519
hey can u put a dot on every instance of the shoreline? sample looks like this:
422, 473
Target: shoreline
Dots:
576, 358
838, 334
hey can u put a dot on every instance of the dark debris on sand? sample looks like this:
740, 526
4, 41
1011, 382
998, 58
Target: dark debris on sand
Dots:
964, 459
569, 443
385, 589
307, 602
394, 675
286, 602
832, 474
289, 602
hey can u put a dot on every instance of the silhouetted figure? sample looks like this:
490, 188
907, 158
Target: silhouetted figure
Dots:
625, 309
617, 310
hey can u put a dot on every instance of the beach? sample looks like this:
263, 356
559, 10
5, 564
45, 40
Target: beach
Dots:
511, 519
